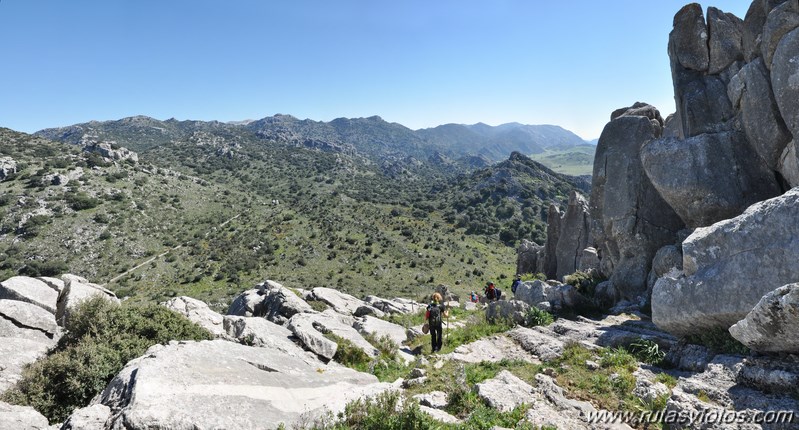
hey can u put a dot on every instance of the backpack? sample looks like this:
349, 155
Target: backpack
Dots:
435, 315
498, 294
515, 286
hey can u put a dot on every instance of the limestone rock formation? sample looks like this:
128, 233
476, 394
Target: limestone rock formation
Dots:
76, 291
255, 331
341, 302
689, 39
630, 220
513, 310
529, 257
197, 312
8, 167
773, 325
729, 266
725, 32
397, 305
504, 392
549, 267
311, 328
15, 354
93, 417
26, 321
13, 417
29, 290
574, 235
270, 300
220, 384
377, 327
709, 177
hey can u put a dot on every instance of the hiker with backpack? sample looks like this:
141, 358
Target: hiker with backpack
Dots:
516, 282
492, 293
436, 312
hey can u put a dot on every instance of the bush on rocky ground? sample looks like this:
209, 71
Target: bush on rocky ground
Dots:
101, 337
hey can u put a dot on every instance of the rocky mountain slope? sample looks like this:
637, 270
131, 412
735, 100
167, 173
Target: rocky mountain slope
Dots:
372, 137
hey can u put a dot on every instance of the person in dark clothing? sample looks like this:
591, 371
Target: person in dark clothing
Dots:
491, 292
436, 312
516, 282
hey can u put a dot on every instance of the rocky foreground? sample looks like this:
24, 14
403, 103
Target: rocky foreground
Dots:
271, 363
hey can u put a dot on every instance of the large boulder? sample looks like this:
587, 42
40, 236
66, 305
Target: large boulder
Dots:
92, 417
76, 291
27, 321
688, 41
729, 266
534, 292
270, 300
773, 325
8, 167
708, 178
549, 265
248, 304
13, 417
15, 354
197, 312
724, 39
341, 302
785, 80
750, 90
378, 328
396, 305
255, 331
311, 330
780, 20
529, 257
220, 384
630, 220
507, 310
30, 290
574, 235
504, 392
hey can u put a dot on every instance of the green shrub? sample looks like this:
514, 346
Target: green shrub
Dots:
536, 317
585, 282
719, 341
386, 411
666, 379
101, 338
348, 354
80, 201
618, 359
647, 351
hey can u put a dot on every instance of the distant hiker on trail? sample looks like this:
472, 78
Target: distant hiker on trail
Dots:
492, 293
436, 312
516, 282
474, 297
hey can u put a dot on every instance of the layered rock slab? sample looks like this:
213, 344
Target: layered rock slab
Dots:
729, 266
773, 325
219, 384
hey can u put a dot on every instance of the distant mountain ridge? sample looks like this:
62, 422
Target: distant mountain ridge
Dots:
372, 137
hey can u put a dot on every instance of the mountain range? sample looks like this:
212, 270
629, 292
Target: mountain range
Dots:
370, 136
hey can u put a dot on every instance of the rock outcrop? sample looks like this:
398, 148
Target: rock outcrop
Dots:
8, 167
30, 290
529, 257
270, 300
311, 329
630, 220
729, 266
197, 312
574, 235
14, 417
220, 384
773, 325
76, 291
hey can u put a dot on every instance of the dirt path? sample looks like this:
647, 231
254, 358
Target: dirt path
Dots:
151, 259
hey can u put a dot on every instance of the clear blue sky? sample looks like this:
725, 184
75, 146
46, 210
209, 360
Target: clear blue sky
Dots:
420, 63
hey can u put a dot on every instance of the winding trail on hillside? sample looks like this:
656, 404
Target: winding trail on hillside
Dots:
175, 248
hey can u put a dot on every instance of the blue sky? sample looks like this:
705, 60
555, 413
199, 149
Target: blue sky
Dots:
418, 63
